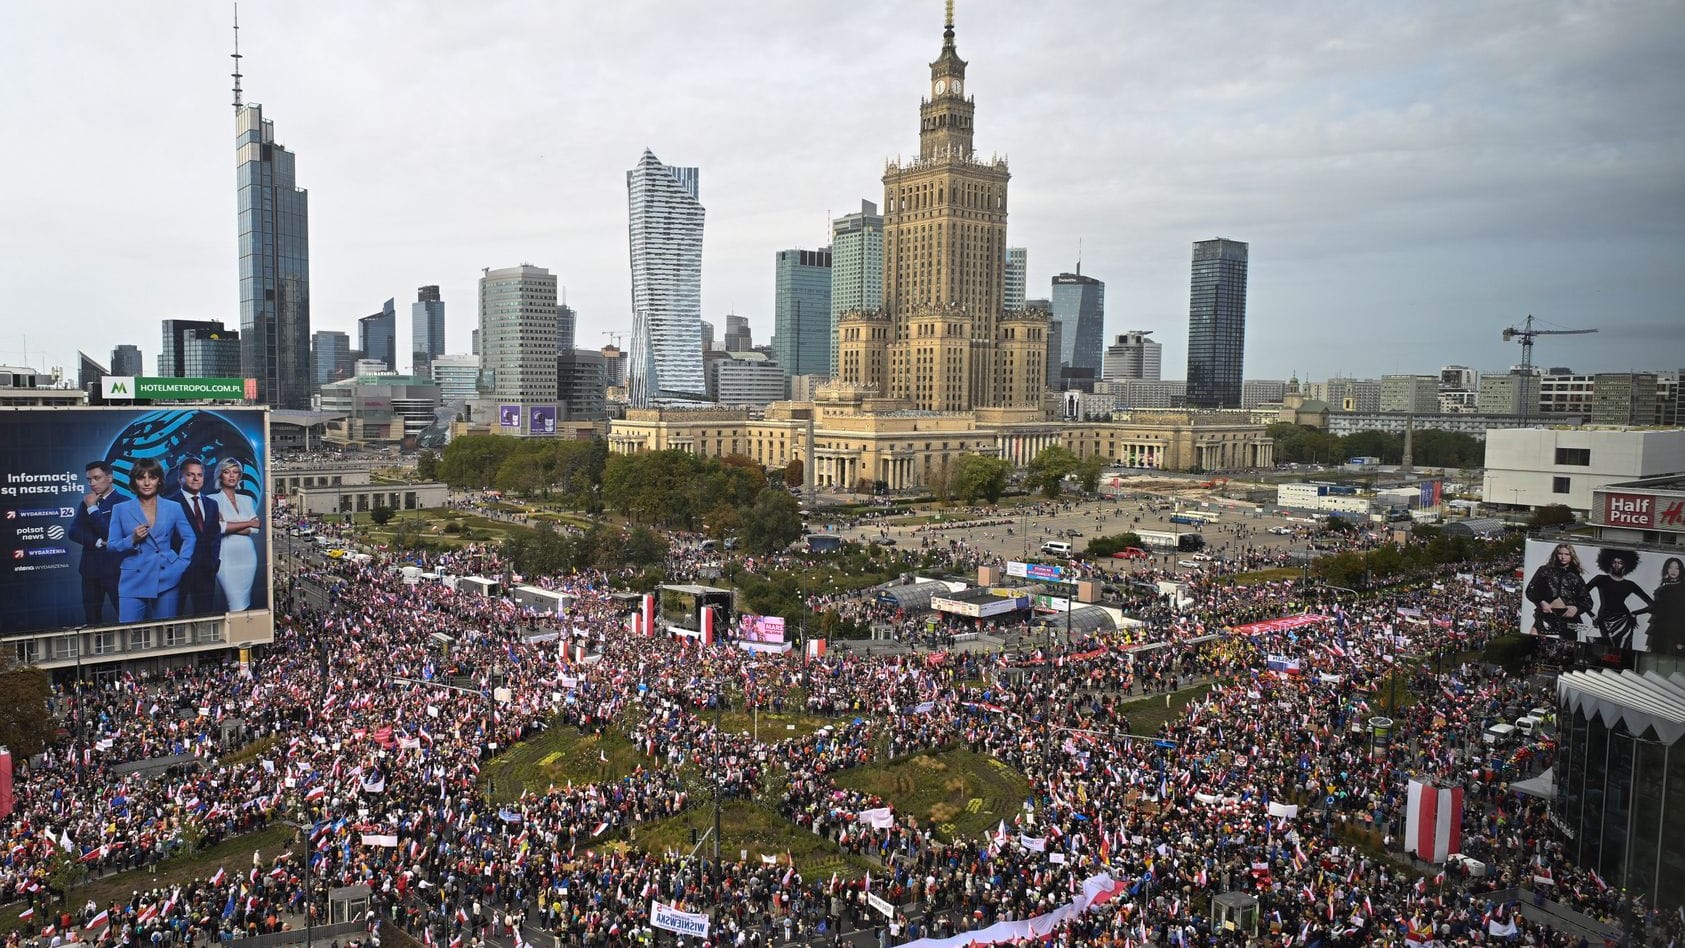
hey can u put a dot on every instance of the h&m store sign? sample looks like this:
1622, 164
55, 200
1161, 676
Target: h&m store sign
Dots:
1643, 511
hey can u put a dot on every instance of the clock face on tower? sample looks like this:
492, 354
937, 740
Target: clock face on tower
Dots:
956, 87
941, 86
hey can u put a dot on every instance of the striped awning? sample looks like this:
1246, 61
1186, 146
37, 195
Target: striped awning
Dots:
1642, 701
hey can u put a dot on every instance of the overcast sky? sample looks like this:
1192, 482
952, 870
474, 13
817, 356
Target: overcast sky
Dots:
1412, 176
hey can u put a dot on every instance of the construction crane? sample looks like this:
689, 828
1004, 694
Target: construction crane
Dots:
615, 337
1526, 334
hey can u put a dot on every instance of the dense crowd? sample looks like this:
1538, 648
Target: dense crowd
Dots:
361, 730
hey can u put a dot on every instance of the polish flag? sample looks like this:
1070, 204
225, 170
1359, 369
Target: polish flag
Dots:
102, 918
648, 615
26, 915
1433, 825
220, 877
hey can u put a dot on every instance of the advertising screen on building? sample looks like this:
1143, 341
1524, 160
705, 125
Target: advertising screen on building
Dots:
765, 629
1617, 595
115, 515
542, 419
508, 416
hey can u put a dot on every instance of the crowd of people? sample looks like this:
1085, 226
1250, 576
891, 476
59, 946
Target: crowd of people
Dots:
371, 727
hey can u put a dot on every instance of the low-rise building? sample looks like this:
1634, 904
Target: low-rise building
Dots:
379, 409
1529, 468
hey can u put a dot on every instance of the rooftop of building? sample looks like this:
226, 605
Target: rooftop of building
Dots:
1670, 482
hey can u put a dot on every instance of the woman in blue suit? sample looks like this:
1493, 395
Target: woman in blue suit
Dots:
154, 541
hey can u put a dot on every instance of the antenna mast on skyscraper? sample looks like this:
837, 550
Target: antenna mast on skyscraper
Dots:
236, 57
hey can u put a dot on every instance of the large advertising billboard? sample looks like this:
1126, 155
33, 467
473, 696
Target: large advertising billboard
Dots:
116, 515
1615, 595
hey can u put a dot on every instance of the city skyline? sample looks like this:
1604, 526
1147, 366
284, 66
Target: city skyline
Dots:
1452, 168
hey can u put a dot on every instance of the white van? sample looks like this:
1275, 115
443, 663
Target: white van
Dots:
1056, 548
1527, 725
1498, 735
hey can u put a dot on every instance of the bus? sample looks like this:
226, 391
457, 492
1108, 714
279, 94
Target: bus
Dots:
1195, 517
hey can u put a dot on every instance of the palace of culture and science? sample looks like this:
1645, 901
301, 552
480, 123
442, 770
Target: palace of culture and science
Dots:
943, 369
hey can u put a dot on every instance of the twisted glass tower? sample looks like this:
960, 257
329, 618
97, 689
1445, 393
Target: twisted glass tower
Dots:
665, 231
274, 265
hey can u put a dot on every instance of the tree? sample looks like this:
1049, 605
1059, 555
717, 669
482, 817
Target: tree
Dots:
645, 548
25, 725
973, 477
794, 473
1106, 546
382, 515
1373, 444
1301, 444
427, 465
1089, 470
1046, 471
1551, 515
773, 523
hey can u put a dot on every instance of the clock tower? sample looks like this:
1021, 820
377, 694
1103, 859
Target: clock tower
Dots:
945, 118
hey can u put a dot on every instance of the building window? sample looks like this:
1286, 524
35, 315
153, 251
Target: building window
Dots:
1559, 485
1575, 457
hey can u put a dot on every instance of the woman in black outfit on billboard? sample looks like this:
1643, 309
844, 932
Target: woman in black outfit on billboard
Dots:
1558, 594
1667, 616
1614, 619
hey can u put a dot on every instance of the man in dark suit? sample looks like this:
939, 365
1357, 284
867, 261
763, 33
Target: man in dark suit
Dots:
198, 584
89, 527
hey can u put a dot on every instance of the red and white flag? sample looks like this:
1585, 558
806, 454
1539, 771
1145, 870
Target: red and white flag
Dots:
220, 876
1433, 823
102, 918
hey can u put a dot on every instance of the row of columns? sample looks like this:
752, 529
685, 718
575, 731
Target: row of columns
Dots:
1021, 449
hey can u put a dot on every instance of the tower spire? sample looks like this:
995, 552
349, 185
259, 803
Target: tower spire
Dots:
236, 57
948, 26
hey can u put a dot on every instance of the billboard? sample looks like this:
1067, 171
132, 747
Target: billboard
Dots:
1619, 596
509, 416
121, 387
542, 419
103, 520
1037, 571
1639, 510
768, 630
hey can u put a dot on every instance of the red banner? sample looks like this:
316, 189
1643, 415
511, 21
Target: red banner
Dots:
5, 783
1279, 625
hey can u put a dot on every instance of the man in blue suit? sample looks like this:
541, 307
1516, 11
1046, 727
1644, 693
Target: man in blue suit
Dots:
89, 528
198, 584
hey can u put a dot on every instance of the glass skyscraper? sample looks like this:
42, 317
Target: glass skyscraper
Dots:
517, 347
664, 228
274, 265
856, 267
330, 351
801, 335
1217, 324
377, 335
1017, 265
1079, 304
427, 329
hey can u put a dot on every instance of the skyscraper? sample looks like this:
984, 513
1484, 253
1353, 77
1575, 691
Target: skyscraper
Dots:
1217, 323
1079, 305
566, 322
802, 312
1017, 267
172, 354
427, 329
943, 341
126, 360
330, 354
517, 346
856, 266
737, 336
274, 264
377, 335
664, 227
1133, 356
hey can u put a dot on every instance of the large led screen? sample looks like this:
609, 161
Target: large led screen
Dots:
1617, 595
112, 516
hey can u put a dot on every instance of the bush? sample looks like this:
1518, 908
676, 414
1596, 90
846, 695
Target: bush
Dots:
1106, 546
382, 516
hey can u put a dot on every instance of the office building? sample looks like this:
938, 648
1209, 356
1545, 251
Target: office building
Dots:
746, 379
457, 377
126, 361
1410, 394
377, 336
274, 242
1348, 395
1623, 398
1217, 323
1055, 345
1016, 275
856, 266
1506, 393
1255, 392
89, 373
384, 408
614, 366
1459, 378
567, 320
665, 218
1133, 356
330, 354
171, 351
1470, 422
427, 329
210, 354
1563, 392
580, 383
802, 311
1079, 307
737, 336
1144, 393
517, 348
943, 340
707, 336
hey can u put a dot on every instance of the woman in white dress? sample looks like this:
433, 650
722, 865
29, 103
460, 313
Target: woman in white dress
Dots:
240, 525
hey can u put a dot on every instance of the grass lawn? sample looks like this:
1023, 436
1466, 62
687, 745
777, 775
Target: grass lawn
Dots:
751, 826
1277, 574
1146, 714
233, 854
957, 791
775, 726
558, 756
